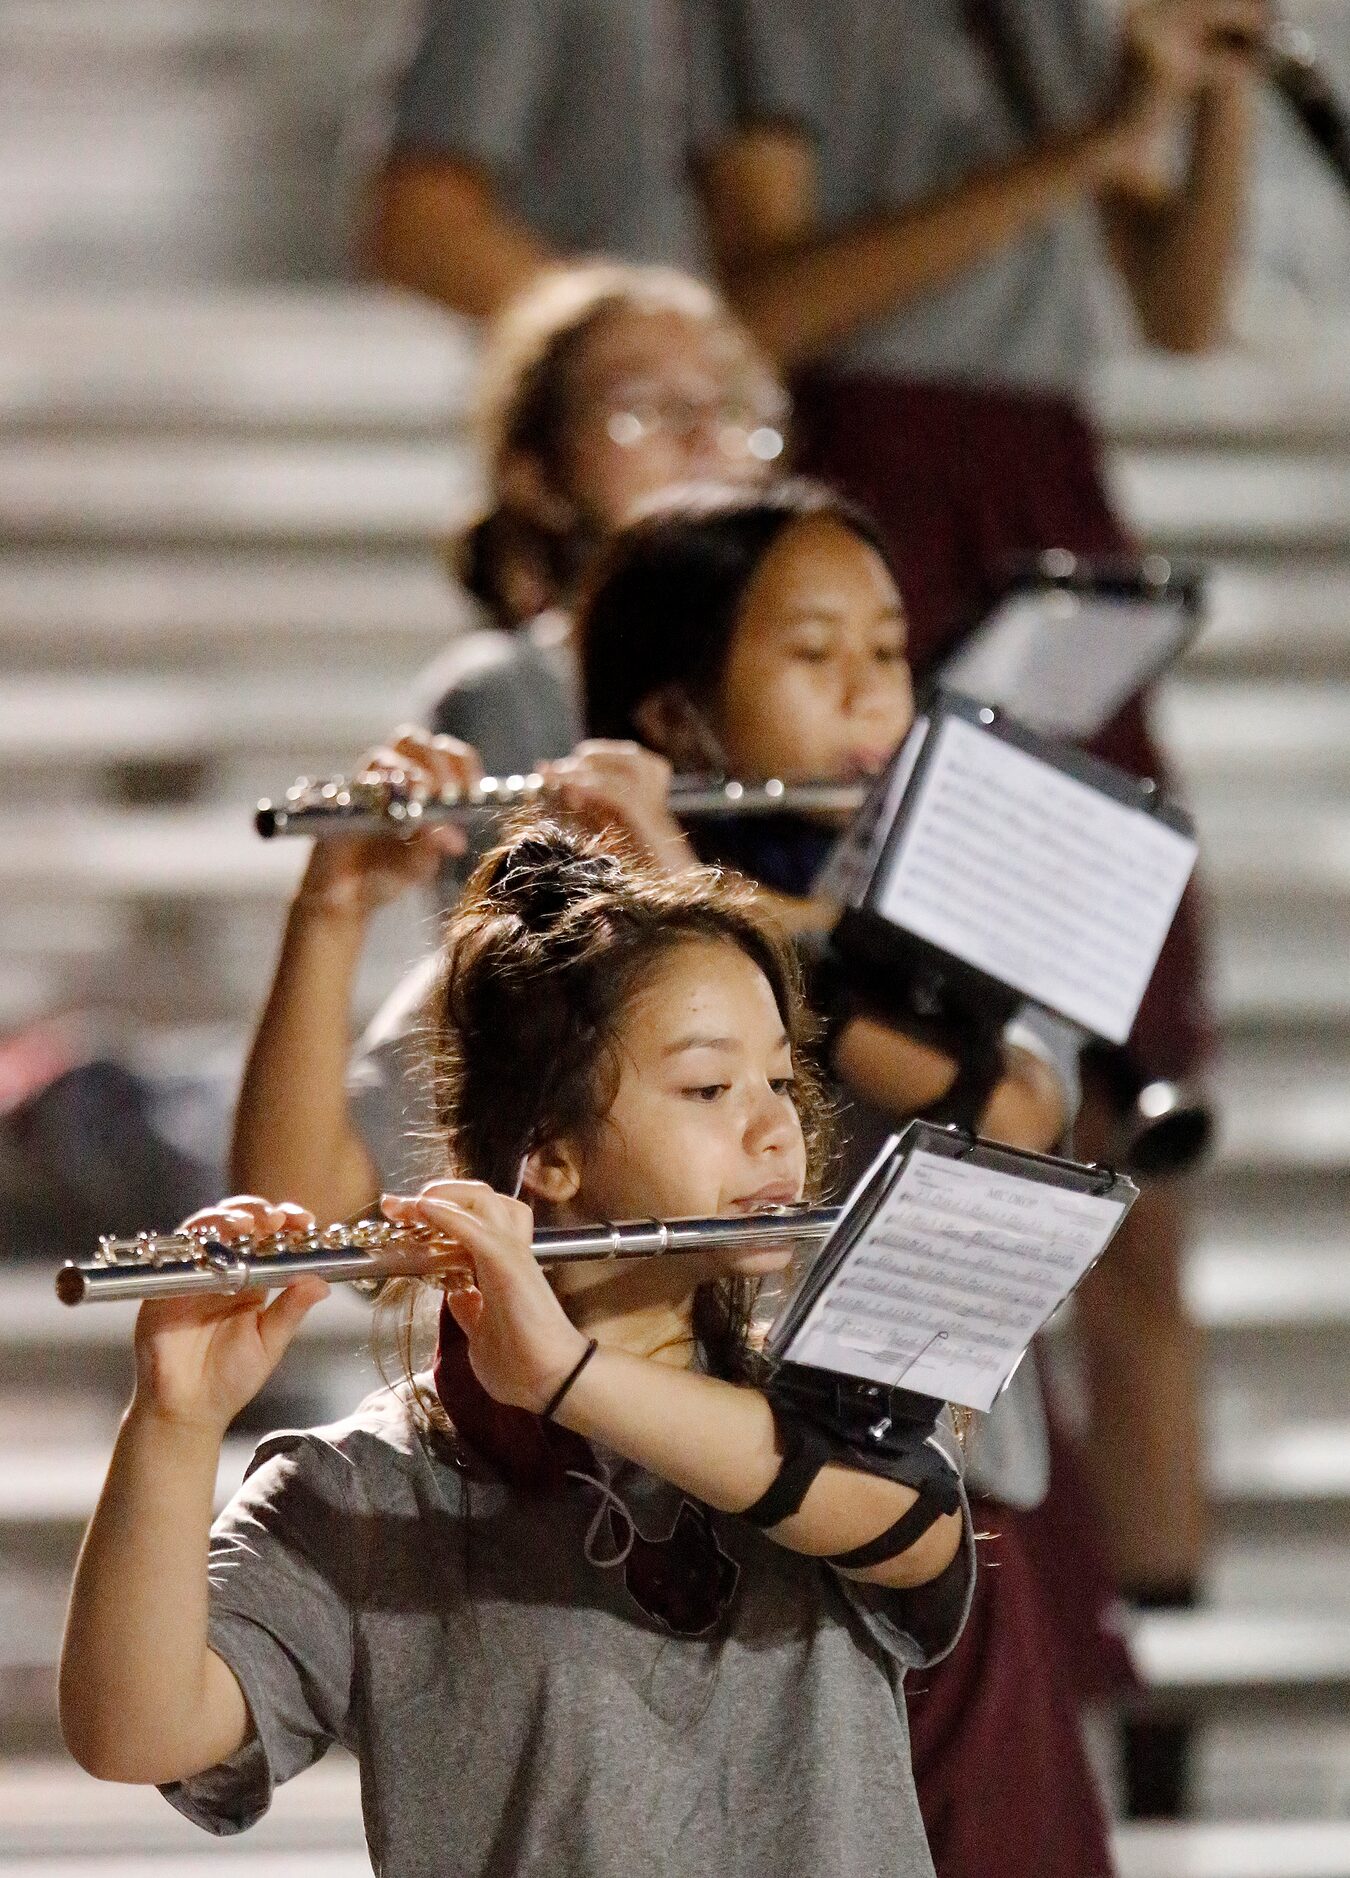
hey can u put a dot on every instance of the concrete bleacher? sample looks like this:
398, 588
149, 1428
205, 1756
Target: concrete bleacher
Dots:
224, 501
230, 588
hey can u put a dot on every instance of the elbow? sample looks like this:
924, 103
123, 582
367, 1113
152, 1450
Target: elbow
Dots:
106, 1750
924, 1561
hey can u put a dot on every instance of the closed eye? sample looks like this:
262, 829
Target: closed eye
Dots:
706, 1092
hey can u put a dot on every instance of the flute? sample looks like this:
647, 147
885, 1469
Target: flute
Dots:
193, 1261
341, 805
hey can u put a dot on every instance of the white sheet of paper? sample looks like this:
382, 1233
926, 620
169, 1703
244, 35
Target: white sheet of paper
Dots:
1036, 878
957, 1271
1064, 663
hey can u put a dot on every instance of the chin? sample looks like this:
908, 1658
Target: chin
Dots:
760, 1264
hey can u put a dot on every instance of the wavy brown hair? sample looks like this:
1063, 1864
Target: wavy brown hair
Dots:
556, 935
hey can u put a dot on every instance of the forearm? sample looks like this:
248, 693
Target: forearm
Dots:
803, 298
716, 1441
142, 1698
294, 1138
1178, 256
437, 229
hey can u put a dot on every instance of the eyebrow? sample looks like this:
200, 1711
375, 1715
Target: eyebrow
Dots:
697, 1041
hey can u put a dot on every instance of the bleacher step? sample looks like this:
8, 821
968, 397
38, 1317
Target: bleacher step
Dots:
227, 491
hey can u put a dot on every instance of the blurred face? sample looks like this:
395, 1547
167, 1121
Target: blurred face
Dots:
664, 398
703, 1120
817, 682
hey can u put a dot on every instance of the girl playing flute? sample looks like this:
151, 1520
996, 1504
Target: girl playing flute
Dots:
763, 635
533, 1591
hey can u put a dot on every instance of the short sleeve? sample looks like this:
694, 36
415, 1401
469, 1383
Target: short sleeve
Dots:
388, 1087
1058, 1044
474, 81
285, 1561
751, 62
919, 1627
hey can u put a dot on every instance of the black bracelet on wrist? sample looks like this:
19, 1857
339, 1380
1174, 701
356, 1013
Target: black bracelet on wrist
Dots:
555, 1401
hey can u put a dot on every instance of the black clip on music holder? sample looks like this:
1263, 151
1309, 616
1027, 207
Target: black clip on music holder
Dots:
937, 984
874, 1412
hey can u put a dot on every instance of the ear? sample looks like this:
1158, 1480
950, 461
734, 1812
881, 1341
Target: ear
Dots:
524, 487
552, 1173
670, 722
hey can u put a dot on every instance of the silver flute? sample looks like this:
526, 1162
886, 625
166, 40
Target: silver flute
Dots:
195, 1261
341, 805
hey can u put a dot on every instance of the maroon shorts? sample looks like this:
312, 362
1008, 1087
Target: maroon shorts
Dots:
1003, 1780
963, 482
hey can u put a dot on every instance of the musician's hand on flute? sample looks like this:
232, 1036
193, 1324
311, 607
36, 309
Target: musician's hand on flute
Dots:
521, 1342
200, 1360
614, 784
361, 873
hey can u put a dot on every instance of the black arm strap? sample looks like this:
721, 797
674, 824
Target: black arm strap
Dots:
933, 1501
805, 1451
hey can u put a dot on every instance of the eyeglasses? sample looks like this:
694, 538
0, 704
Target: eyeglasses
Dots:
744, 425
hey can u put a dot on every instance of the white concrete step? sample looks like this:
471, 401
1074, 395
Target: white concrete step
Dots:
1239, 396
226, 492
1250, 1282
1208, 500
1284, 1109
89, 720
1282, 735
337, 361
171, 855
90, 609
1208, 1661
1246, 1849
1275, 619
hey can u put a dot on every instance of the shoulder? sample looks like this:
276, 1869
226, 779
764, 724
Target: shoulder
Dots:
368, 1460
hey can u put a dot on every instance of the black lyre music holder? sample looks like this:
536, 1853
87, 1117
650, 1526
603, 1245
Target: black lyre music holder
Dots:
901, 968
876, 1414
1122, 620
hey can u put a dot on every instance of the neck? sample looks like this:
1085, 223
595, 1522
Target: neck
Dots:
644, 1307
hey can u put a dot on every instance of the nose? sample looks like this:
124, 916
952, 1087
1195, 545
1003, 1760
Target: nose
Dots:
773, 1125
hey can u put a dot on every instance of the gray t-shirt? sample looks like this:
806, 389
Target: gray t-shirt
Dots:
902, 102
515, 696
515, 1714
575, 109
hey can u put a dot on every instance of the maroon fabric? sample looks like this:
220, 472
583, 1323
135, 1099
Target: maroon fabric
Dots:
533, 1455
964, 481
1004, 1785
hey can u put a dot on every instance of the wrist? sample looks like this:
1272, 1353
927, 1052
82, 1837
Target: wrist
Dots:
339, 905
196, 1433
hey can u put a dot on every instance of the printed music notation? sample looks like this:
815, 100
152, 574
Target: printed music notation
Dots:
955, 1273
1042, 881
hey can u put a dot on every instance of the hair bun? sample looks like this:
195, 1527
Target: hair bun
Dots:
547, 871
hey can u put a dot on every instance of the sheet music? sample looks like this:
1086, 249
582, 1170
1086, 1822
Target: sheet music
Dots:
1064, 663
853, 858
1042, 881
954, 1275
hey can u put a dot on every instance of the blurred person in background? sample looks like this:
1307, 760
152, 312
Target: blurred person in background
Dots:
531, 131
602, 385
908, 207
